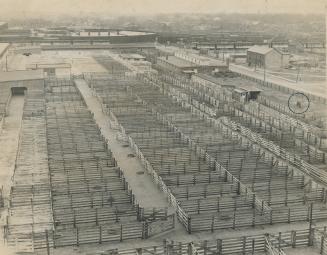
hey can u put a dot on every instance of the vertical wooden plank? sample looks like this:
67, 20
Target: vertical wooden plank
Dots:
77, 237
189, 225
100, 234
293, 238
205, 247
219, 246
244, 246
121, 232
47, 242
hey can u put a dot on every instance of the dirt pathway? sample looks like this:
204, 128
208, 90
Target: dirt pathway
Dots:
9, 137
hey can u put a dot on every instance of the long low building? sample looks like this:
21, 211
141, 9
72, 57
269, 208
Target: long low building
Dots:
184, 65
176, 64
20, 81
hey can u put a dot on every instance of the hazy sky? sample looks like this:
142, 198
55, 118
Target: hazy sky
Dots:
27, 7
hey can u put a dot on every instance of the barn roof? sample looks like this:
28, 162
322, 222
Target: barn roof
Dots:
263, 50
21, 75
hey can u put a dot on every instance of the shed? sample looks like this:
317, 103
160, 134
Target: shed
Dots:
245, 94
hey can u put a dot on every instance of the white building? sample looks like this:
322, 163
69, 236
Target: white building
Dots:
266, 57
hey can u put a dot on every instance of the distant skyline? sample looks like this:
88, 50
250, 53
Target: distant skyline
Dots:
30, 8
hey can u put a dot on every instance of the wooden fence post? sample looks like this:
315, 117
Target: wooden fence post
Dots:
54, 239
322, 244
219, 246
189, 225
293, 238
311, 236
253, 246
77, 237
244, 245
47, 241
100, 234
121, 232
205, 247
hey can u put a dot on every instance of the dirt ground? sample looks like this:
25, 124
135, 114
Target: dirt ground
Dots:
302, 251
9, 137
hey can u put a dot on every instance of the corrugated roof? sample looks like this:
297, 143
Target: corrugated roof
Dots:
179, 62
132, 55
260, 49
240, 90
21, 75
250, 88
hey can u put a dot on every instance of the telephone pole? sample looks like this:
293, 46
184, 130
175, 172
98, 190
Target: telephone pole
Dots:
298, 74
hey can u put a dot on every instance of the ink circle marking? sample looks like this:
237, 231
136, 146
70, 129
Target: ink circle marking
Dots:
298, 103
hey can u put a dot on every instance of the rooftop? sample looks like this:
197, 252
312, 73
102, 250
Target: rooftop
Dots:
249, 87
21, 75
111, 33
47, 65
209, 61
181, 63
238, 83
132, 56
260, 49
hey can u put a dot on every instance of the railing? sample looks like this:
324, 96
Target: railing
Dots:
305, 167
260, 205
271, 250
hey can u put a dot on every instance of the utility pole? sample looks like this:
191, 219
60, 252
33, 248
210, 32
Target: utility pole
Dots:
255, 63
7, 63
298, 74
264, 71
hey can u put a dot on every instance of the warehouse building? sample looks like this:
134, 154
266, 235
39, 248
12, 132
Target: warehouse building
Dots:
20, 81
187, 64
267, 57
51, 68
176, 64
205, 64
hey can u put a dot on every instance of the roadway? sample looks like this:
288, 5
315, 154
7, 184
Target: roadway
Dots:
315, 88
